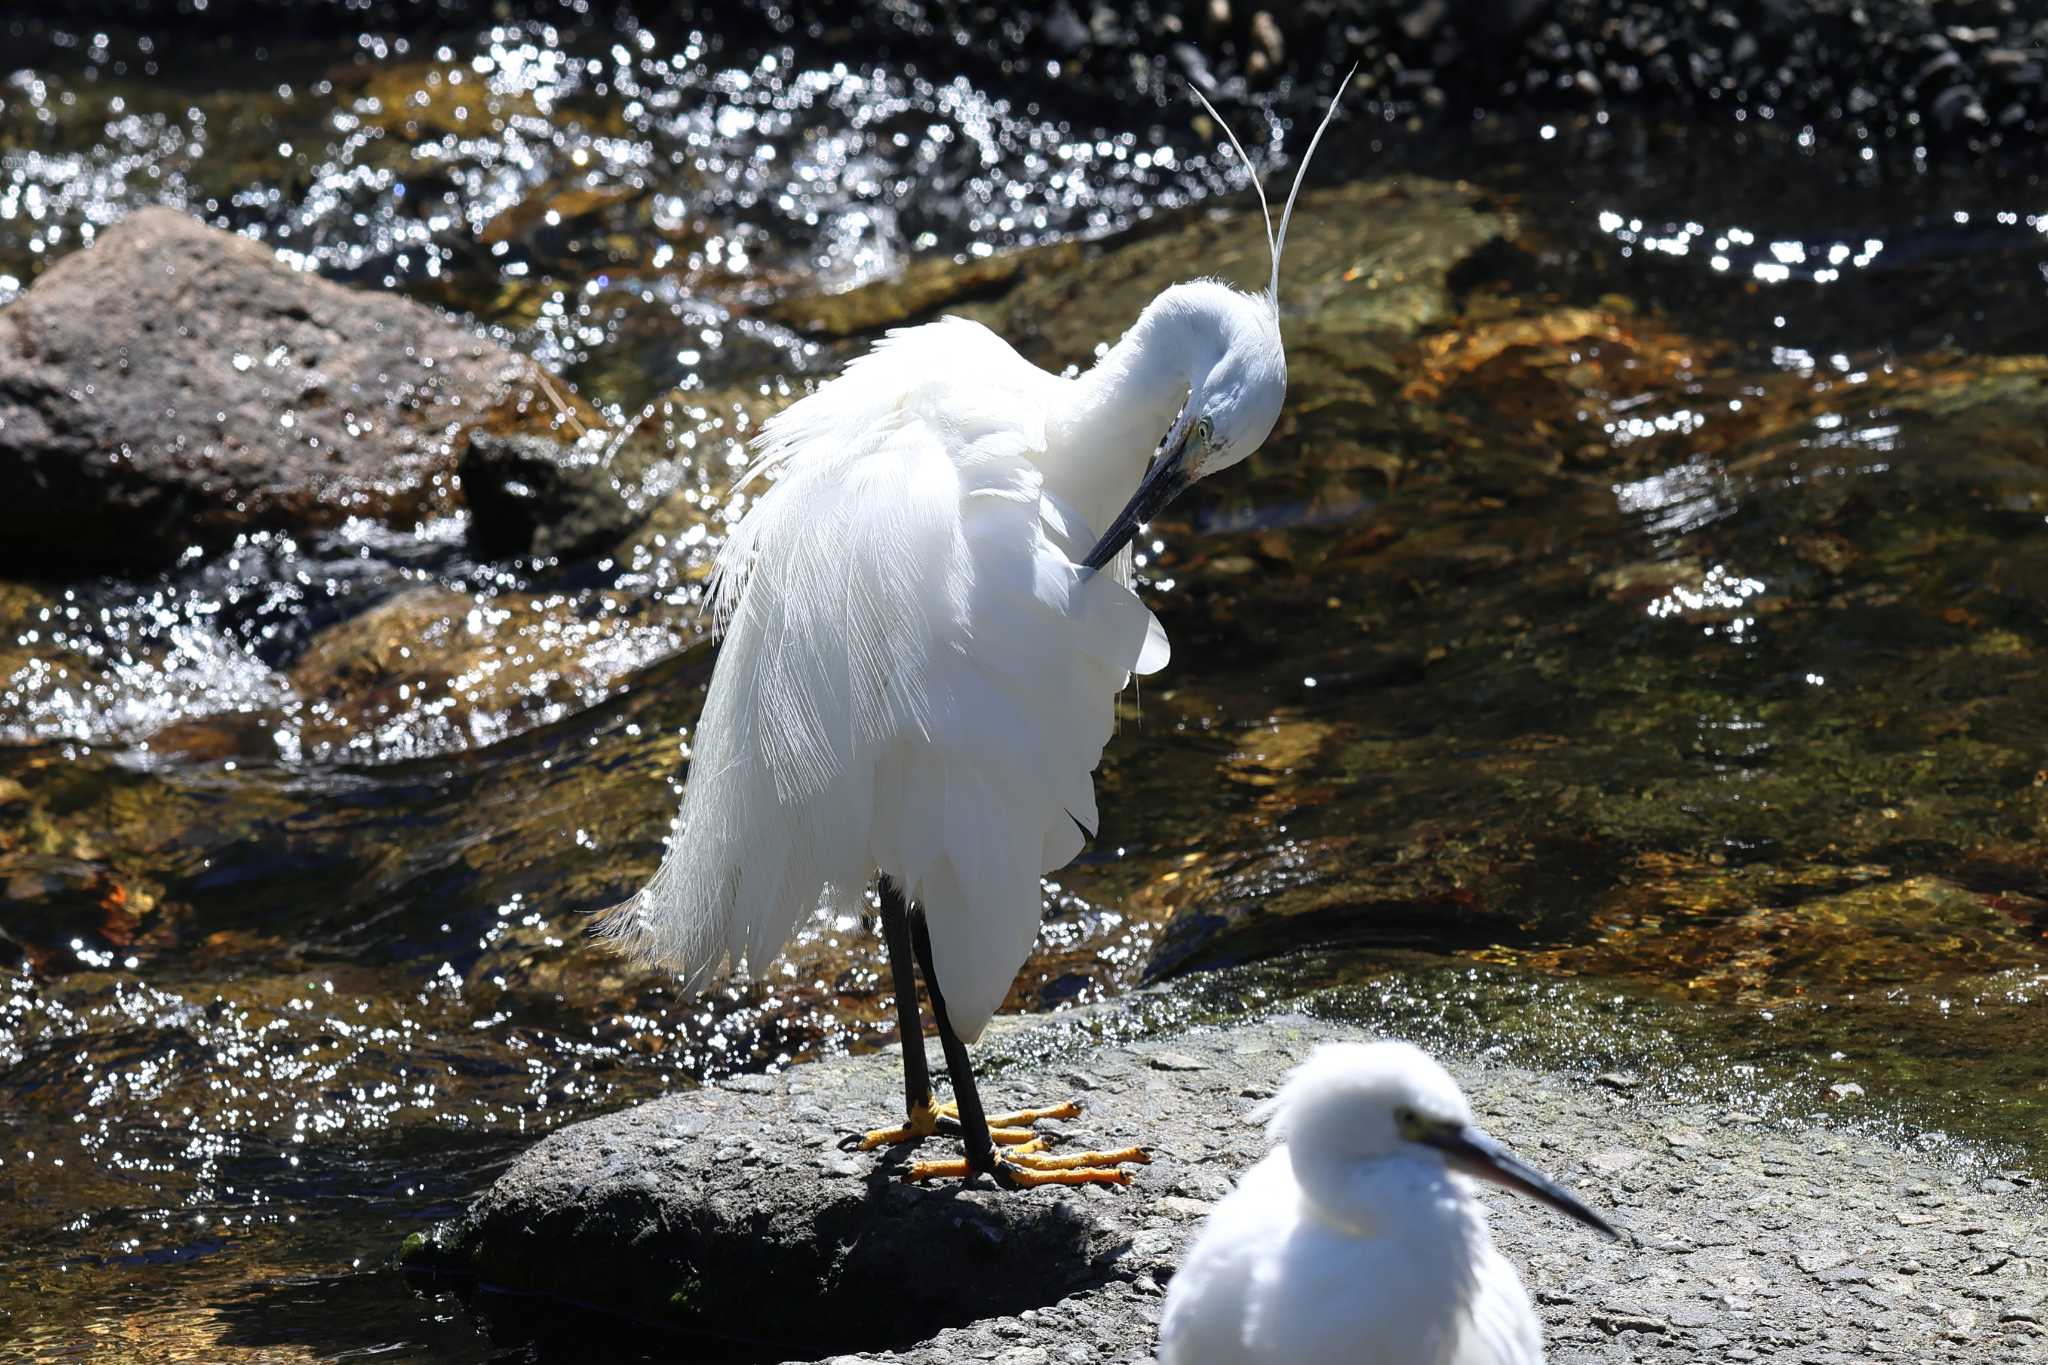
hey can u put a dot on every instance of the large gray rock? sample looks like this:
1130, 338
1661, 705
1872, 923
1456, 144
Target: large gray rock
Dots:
731, 1212
175, 385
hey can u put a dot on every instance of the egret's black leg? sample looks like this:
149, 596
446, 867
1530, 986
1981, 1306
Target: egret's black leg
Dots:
917, 1076
981, 1151
922, 1116
1022, 1164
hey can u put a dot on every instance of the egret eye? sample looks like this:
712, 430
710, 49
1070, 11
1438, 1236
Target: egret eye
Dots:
1203, 429
1407, 1122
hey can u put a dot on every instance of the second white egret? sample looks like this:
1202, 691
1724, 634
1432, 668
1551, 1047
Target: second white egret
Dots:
921, 660
1359, 1239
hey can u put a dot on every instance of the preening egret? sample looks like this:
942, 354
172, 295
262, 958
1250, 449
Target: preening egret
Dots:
1358, 1240
921, 661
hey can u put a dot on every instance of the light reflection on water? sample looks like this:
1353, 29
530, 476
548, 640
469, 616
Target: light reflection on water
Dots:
1719, 591
520, 150
613, 202
487, 657
354, 1038
1775, 260
1679, 500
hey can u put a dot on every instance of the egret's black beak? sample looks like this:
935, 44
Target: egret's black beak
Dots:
1161, 485
1469, 1150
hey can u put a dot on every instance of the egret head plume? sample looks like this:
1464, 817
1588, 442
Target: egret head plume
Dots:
1235, 364
1276, 241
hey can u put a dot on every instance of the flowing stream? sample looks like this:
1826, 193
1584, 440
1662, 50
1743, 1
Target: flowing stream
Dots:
1633, 660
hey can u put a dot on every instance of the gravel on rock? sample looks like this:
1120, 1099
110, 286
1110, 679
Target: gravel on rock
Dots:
1748, 1240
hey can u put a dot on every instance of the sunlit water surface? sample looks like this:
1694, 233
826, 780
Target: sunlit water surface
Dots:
1669, 629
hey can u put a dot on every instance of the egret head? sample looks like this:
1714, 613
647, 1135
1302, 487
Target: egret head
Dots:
1351, 1105
1231, 408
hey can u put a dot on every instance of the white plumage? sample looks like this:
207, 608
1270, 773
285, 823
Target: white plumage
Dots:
1356, 1242
924, 639
917, 678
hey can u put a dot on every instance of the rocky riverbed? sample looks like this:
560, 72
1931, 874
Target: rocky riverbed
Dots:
1626, 657
731, 1212
1958, 77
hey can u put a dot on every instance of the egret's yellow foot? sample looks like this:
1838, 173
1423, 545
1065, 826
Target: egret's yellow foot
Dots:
1132, 1156
1024, 1168
1024, 1118
1014, 1129
923, 1122
1006, 1130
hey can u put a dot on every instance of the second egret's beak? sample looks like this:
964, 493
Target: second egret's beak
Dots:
1161, 485
1471, 1151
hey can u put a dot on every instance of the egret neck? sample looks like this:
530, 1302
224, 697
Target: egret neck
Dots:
1099, 444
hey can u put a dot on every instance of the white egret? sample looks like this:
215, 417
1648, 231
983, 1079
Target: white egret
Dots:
921, 661
1359, 1240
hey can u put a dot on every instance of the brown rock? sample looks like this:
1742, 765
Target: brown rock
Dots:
176, 386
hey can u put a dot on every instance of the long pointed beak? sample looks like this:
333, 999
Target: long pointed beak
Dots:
1469, 1150
1161, 485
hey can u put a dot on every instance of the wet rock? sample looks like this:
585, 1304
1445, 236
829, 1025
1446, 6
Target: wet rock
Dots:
532, 495
1368, 264
920, 290
1769, 59
445, 671
175, 386
1956, 106
1269, 47
678, 1209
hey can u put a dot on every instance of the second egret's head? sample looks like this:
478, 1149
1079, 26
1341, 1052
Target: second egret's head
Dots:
1353, 1105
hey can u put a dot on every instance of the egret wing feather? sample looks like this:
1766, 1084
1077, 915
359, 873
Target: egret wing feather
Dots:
1503, 1328
916, 676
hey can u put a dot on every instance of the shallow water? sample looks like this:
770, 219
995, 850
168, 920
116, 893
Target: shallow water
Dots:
1659, 622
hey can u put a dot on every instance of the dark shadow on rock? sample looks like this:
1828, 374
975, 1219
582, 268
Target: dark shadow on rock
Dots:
532, 495
729, 1219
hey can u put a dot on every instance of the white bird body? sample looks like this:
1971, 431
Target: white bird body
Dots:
1355, 1242
927, 618
918, 677
1274, 1280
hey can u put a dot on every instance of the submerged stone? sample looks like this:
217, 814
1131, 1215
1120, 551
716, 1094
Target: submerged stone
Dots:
919, 290
1368, 265
1647, 655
